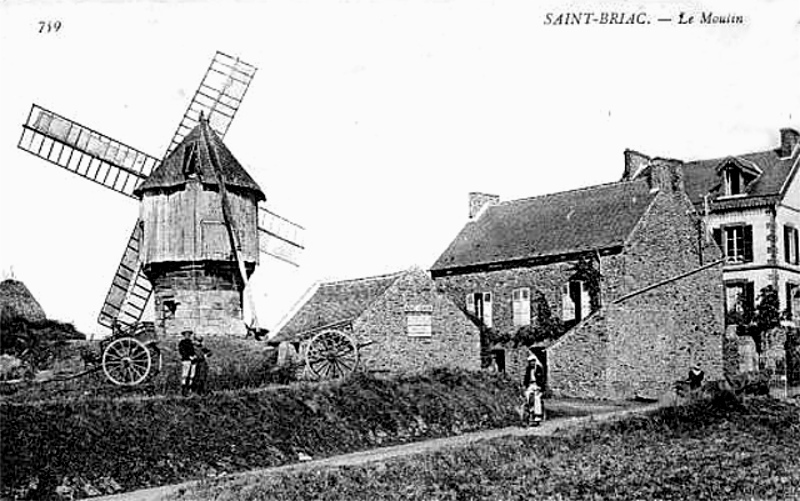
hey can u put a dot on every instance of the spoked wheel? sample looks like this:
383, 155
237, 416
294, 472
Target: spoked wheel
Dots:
331, 354
127, 361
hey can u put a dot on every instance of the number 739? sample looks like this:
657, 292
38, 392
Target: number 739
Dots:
49, 26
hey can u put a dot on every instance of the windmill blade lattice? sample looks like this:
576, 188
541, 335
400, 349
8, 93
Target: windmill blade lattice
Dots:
218, 97
85, 152
279, 237
130, 289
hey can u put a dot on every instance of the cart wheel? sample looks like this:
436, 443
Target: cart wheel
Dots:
331, 354
126, 361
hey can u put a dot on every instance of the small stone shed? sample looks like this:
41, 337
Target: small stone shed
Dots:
655, 310
410, 324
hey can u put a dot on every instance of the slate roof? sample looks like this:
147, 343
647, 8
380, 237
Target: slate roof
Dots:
702, 176
170, 174
335, 303
597, 217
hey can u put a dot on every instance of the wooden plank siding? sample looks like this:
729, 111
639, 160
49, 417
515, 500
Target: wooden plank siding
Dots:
187, 225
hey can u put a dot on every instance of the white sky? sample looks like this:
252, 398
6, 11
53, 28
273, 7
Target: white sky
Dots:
369, 121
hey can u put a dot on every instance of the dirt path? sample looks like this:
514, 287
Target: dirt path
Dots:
552, 427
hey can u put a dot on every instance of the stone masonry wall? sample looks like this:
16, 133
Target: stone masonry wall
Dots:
677, 324
577, 362
207, 300
454, 341
545, 281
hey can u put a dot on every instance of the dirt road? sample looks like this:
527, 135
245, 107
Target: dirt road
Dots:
555, 426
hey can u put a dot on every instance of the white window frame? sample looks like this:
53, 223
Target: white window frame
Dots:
569, 310
484, 313
792, 258
521, 306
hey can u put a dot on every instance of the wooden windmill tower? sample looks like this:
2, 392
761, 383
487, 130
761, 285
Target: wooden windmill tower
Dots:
201, 228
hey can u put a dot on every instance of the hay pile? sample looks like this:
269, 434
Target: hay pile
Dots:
17, 302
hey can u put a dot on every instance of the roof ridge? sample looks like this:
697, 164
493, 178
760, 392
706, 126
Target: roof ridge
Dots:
363, 279
574, 190
738, 156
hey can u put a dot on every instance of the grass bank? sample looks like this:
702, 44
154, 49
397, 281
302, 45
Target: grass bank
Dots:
712, 449
141, 442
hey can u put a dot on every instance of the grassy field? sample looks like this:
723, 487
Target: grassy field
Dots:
712, 449
142, 442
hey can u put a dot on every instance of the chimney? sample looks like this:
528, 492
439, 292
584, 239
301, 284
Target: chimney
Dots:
666, 175
634, 162
789, 140
477, 201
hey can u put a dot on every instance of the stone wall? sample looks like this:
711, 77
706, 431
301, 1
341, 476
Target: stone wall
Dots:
454, 340
544, 281
205, 297
577, 363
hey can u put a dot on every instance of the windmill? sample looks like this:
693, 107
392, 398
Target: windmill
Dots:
202, 220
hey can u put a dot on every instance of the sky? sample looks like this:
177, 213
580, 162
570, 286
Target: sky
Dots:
369, 122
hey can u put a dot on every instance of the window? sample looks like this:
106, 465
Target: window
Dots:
418, 324
480, 305
521, 306
737, 178
739, 297
575, 303
169, 306
733, 182
790, 244
736, 242
791, 291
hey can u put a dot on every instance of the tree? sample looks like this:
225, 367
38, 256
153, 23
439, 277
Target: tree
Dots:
766, 316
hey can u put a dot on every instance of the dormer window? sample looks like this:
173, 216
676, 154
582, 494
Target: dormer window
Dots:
733, 182
737, 174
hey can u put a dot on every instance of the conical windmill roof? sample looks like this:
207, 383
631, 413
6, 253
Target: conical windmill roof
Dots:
16, 301
192, 157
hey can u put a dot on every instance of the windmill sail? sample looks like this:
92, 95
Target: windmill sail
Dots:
130, 289
85, 152
279, 237
218, 98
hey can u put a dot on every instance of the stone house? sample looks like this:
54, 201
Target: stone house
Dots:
751, 204
410, 324
656, 309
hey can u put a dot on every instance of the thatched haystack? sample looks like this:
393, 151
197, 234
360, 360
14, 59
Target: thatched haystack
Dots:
17, 302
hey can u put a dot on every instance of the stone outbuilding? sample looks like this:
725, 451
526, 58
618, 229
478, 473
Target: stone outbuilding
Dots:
625, 270
410, 325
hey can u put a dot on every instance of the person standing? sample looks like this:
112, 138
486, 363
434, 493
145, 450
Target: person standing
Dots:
200, 366
187, 352
534, 388
695, 378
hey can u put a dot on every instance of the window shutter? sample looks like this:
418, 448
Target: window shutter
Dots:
567, 306
521, 307
487, 309
748, 243
717, 234
787, 241
470, 302
796, 248
586, 306
749, 296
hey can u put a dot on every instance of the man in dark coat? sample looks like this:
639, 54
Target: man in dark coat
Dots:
188, 355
